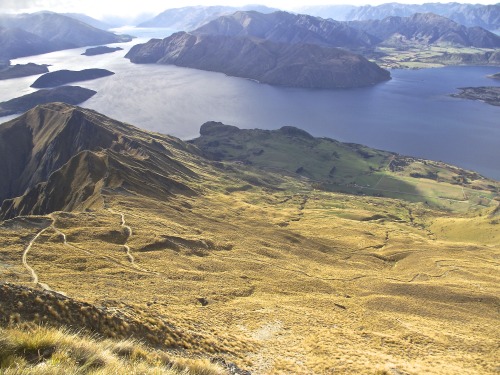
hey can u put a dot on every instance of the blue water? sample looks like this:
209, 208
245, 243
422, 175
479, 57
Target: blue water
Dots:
411, 114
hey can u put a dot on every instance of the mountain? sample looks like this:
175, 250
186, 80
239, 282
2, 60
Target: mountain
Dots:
15, 43
294, 65
67, 94
192, 17
30, 34
59, 157
470, 15
285, 27
98, 24
63, 77
234, 249
427, 29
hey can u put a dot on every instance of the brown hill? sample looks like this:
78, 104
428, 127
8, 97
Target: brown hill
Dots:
60, 157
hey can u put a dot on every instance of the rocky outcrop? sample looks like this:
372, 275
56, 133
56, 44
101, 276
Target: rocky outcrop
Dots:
63, 77
285, 64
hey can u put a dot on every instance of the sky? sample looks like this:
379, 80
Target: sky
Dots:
130, 8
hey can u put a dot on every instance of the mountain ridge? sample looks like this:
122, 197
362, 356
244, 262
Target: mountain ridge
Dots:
285, 27
70, 141
470, 15
427, 29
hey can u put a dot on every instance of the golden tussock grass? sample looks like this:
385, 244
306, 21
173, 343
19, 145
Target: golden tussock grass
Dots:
43, 350
294, 281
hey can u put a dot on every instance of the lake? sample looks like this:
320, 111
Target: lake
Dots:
411, 114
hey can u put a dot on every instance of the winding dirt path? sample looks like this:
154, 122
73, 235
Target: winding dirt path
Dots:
34, 276
129, 232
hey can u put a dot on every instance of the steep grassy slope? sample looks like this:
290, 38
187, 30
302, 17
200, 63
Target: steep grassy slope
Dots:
263, 269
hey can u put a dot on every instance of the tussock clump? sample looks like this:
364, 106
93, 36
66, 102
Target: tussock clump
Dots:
43, 350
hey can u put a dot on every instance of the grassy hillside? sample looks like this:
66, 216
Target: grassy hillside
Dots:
268, 267
346, 167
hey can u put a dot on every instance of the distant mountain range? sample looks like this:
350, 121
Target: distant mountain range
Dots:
427, 29
192, 17
486, 16
281, 48
98, 24
286, 27
31, 34
277, 48
424, 29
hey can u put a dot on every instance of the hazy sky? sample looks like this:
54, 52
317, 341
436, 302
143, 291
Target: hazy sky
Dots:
128, 8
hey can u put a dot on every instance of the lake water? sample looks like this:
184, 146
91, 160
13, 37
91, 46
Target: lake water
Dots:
411, 114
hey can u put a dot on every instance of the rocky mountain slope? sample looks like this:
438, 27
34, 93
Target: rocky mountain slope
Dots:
295, 65
427, 29
285, 27
58, 157
31, 34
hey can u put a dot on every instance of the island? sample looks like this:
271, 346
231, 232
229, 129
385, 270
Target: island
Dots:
67, 94
22, 70
495, 76
487, 94
100, 50
63, 77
